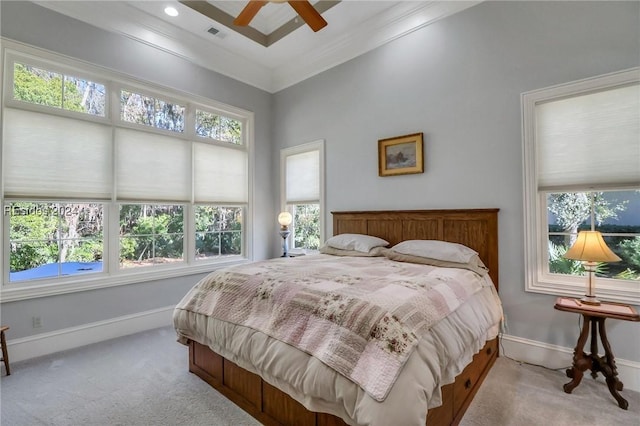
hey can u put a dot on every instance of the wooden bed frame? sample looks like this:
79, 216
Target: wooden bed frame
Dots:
477, 229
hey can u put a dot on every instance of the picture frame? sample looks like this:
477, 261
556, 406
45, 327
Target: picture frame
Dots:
401, 155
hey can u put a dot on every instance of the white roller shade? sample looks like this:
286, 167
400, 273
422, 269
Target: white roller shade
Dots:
303, 177
152, 167
590, 141
220, 174
51, 156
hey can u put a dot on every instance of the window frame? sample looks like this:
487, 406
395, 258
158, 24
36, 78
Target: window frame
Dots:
114, 82
317, 145
53, 280
21, 54
537, 277
209, 110
205, 260
184, 258
134, 89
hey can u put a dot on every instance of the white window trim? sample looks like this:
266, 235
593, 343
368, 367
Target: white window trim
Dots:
537, 279
317, 145
85, 282
15, 51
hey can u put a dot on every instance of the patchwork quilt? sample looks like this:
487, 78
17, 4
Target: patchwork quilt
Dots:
360, 316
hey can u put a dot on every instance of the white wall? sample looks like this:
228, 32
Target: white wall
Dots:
37, 26
459, 81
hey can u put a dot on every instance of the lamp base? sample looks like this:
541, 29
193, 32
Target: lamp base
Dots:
590, 300
284, 233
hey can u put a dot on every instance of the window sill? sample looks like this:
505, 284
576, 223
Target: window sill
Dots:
605, 290
24, 290
301, 252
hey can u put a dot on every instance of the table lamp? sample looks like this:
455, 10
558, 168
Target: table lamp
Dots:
590, 248
284, 219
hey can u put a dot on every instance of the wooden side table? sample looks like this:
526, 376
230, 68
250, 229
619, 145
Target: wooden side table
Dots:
594, 317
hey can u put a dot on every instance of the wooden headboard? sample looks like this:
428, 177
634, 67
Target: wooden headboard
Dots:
475, 228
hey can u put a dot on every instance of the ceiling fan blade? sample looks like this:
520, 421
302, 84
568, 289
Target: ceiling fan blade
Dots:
248, 13
309, 14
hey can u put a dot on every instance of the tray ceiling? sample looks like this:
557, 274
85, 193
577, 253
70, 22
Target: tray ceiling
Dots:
294, 51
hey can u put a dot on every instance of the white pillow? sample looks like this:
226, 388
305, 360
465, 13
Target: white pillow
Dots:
475, 264
374, 252
357, 242
434, 249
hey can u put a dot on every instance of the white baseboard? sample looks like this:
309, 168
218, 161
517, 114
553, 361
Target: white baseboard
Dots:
61, 340
555, 357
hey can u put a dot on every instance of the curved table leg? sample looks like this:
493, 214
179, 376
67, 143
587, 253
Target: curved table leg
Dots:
581, 362
594, 345
608, 367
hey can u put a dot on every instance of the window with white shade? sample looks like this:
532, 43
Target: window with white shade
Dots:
106, 180
302, 171
581, 152
40, 161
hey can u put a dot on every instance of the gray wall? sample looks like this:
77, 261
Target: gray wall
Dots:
32, 24
459, 81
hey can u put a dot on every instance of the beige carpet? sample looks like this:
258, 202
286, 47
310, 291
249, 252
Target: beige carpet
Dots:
143, 380
516, 394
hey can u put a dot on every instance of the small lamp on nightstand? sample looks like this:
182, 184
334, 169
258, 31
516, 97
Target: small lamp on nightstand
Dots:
284, 219
590, 248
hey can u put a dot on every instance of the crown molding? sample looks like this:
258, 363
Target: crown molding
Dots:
139, 26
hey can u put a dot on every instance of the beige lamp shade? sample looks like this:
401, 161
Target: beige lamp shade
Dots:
284, 219
590, 247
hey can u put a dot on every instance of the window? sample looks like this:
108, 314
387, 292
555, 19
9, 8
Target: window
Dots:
306, 225
613, 213
54, 239
214, 126
101, 182
53, 89
151, 234
582, 171
218, 231
302, 169
150, 111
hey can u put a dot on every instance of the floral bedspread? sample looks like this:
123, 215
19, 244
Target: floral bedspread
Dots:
360, 316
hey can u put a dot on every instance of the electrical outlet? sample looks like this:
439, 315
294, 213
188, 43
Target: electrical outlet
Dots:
36, 322
504, 326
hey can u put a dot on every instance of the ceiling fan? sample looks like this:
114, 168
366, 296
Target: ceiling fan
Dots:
306, 11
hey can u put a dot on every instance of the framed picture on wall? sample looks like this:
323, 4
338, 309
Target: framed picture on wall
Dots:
400, 155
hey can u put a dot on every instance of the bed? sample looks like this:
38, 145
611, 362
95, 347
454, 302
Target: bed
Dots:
281, 385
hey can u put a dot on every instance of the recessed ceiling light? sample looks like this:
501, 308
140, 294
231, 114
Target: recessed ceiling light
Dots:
171, 11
